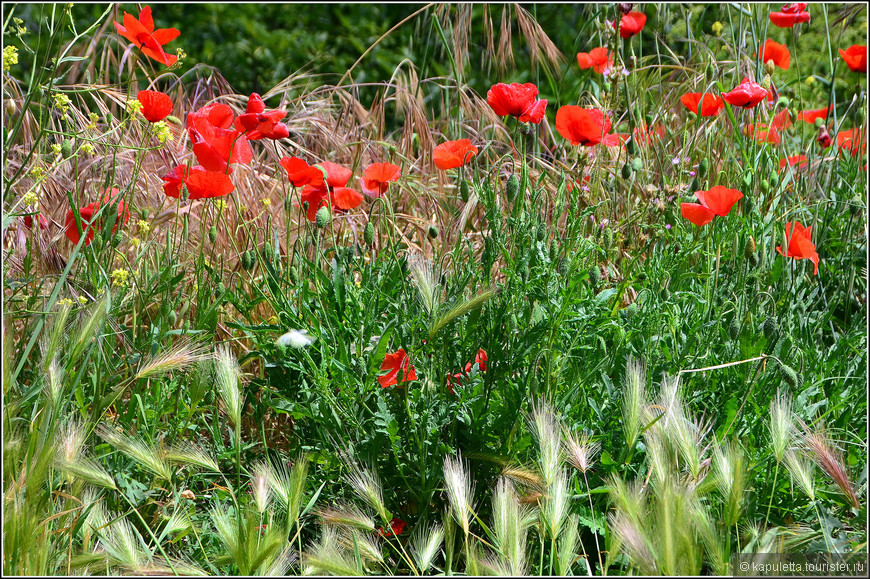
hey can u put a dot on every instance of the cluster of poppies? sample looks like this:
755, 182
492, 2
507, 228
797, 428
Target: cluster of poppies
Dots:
457, 379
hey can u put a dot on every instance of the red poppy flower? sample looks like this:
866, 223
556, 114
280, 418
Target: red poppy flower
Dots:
301, 173
201, 183
215, 144
855, 140
517, 100
615, 139
710, 104
644, 135
156, 106
794, 7
789, 19
747, 94
377, 178
631, 24
395, 362
581, 126
333, 185
824, 137
770, 133
797, 161
141, 33
87, 213
717, 201
799, 245
855, 57
397, 527
776, 52
40, 218
811, 116
453, 154
257, 123
451, 389
598, 59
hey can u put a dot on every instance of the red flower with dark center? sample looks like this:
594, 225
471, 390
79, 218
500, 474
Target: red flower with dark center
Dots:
87, 214
855, 140
811, 116
215, 144
631, 24
776, 52
581, 126
855, 57
395, 363
789, 19
141, 33
453, 154
397, 527
710, 105
378, 176
156, 106
747, 94
301, 173
257, 123
517, 100
332, 185
797, 240
201, 183
598, 59
717, 201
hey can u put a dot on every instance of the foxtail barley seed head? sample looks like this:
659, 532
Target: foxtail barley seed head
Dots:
460, 493
780, 425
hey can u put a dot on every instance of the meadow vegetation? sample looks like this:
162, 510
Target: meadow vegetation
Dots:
406, 317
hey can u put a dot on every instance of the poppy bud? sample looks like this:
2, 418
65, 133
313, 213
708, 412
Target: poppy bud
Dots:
734, 328
11, 107
267, 252
595, 276
512, 187
774, 179
789, 376
636, 164
247, 259
608, 237
109, 118
694, 185
527, 128
172, 318
563, 266
769, 67
144, 213
665, 294
749, 249
463, 190
770, 327
631, 147
710, 71
625, 7
626, 171
66, 148
747, 179
369, 233
184, 192
542, 232
117, 238
748, 204
432, 232
294, 275
765, 185
212, 233
824, 137
818, 122
554, 250
703, 168
630, 311
220, 288
692, 116
185, 327
322, 218
765, 82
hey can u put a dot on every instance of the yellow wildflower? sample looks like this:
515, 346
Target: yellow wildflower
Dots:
120, 276
10, 57
83, 300
87, 148
65, 302
266, 202
134, 106
143, 225
717, 28
162, 132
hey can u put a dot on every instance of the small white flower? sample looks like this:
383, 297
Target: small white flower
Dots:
296, 339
